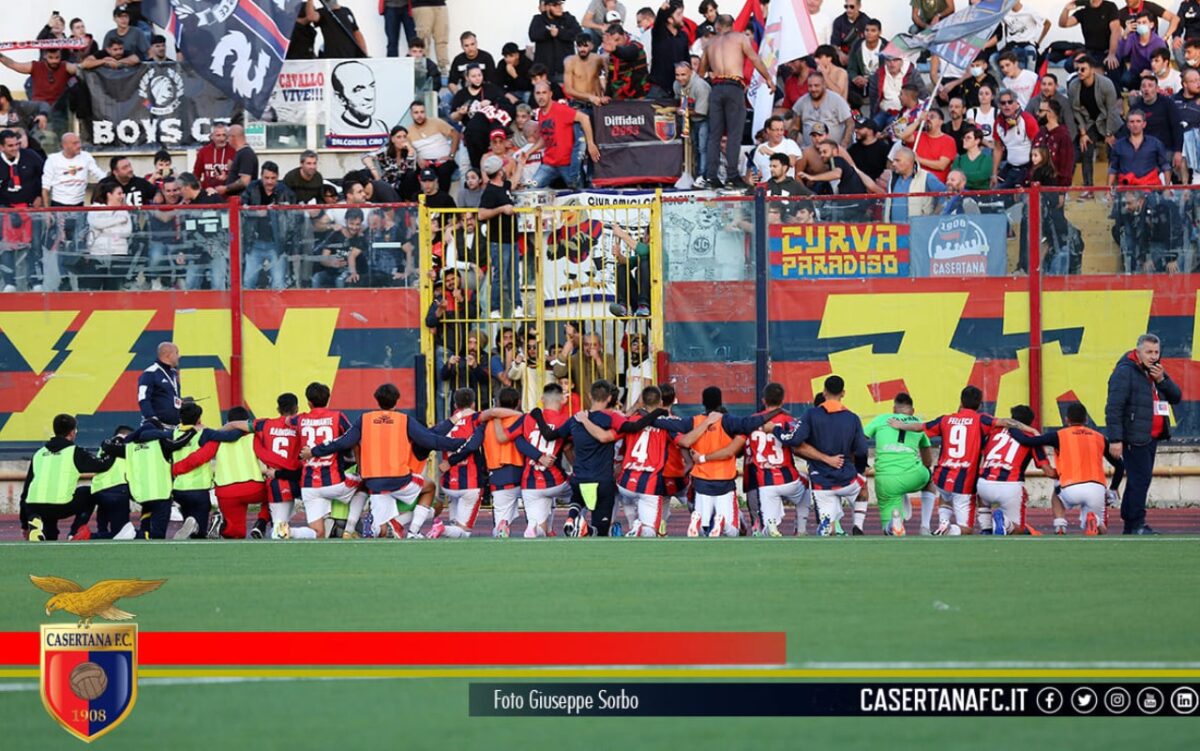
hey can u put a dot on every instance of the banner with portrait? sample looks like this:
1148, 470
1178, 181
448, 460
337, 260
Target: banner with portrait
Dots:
364, 100
838, 251
959, 245
152, 105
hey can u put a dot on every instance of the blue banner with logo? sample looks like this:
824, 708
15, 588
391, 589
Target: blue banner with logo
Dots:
237, 45
959, 245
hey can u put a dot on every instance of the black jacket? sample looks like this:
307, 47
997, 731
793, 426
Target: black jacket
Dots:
1130, 408
552, 50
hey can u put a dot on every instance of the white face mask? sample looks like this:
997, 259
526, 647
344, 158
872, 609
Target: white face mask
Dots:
1143, 29
977, 70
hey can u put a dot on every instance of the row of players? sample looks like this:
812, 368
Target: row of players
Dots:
374, 470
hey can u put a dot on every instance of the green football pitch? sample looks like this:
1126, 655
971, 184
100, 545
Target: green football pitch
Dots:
873, 603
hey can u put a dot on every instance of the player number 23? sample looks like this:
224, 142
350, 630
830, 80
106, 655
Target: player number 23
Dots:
767, 450
316, 435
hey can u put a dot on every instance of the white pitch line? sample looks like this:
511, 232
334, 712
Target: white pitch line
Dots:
1190, 538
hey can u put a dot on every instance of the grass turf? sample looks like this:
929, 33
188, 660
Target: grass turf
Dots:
866, 600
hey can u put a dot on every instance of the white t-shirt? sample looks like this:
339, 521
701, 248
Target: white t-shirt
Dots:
1170, 84
762, 156
832, 110
1023, 27
67, 179
986, 122
1025, 86
638, 378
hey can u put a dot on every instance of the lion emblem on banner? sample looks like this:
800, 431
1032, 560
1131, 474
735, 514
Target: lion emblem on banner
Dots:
161, 90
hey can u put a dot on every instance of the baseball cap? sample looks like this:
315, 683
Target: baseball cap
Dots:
705, 29
497, 133
818, 127
428, 175
492, 164
865, 122
120, 10
612, 16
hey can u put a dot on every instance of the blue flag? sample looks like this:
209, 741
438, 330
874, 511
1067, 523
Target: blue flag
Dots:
236, 45
956, 39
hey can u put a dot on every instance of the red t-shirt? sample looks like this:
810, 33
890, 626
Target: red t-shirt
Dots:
558, 133
49, 84
936, 148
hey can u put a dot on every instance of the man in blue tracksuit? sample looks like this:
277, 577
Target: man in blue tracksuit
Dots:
837, 432
592, 484
159, 396
1138, 416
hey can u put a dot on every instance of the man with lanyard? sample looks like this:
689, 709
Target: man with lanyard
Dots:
158, 387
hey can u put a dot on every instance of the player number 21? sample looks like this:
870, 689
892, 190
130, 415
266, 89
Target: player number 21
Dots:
1004, 445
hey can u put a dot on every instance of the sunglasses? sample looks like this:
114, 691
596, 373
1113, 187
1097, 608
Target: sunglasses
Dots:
1007, 101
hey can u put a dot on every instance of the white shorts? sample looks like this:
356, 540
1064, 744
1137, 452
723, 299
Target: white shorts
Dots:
829, 500
464, 506
964, 508
1009, 496
1086, 496
319, 501
649, 508
383, 505
714, 507
539, 502
504, 504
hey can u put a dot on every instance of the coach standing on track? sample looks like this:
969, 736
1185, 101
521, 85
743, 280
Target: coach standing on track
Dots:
1138, 416
158, 387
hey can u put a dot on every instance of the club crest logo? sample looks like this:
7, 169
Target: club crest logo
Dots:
89, 671
664, 123
161, 90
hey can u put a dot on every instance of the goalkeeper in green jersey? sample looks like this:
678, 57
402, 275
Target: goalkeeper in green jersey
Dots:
902, 460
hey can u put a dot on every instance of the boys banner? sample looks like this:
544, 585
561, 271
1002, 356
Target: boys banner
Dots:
638, 144
838, 251
152, 104
365, 99
959, 245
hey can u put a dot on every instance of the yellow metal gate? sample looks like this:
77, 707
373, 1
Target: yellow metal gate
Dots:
578, 297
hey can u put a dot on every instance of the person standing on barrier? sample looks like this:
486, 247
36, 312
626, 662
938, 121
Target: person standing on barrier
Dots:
557, 122
497, 209
1015, 133
724, 60
1137, 416
266, 231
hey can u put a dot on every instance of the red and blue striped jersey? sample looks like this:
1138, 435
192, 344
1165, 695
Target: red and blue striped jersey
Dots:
468, 473
532, 444
1005, 460
646, 457
318, 426
768, 461
962, 435
279, 441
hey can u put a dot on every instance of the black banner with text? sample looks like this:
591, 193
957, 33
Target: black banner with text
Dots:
638, 142
152, 104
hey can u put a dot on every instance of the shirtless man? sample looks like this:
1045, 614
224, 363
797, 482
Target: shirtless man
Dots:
581, 77
723, 62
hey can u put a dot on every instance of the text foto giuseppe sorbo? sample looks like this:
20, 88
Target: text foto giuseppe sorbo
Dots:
567, 702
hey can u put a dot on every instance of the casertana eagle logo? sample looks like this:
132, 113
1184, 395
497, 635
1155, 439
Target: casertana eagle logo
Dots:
664, 123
